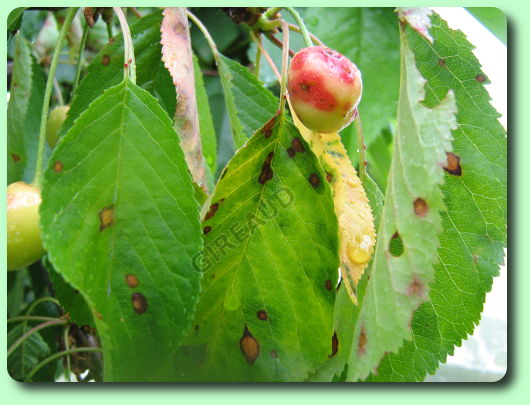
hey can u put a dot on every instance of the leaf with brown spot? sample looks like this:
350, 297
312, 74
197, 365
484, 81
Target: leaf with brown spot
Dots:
274, 247
122, 214
415, 171
23, 113
356, 228
178, 59
473, 233
249, 346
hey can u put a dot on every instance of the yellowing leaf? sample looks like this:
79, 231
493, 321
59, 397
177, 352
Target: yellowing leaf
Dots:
356, 224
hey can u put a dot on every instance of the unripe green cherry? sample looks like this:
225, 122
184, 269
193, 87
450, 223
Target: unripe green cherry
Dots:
24, 244
324, 88
55, 120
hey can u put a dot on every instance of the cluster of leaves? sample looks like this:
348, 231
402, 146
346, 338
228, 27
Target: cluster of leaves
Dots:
251, 293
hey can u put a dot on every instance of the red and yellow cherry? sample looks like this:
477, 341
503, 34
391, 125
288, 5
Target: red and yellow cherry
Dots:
325, 88
24, 244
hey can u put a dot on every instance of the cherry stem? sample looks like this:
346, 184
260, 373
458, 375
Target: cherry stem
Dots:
258, 57
30, 318
37, 180
300, 22
268, 57
57, 90
79, 64
285, 64
59, 355
362, 148
129, 63
30, 332
206, 34
315, 39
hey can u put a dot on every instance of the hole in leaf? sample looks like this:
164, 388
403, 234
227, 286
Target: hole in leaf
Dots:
396, 245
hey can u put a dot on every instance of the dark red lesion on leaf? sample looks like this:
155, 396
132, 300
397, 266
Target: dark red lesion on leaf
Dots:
266, 169
416, 287
206, 229
480, 78
296, 147
441, 62
420, 207
58, 166
249, 346
329, 177
334, 344
105, 60
211, 212
328, 284
262, 315
139, 303
106, 217
266, 130
314, 180
453, 164
132, 281
15, 157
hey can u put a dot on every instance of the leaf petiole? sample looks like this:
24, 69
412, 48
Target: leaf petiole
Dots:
37, 180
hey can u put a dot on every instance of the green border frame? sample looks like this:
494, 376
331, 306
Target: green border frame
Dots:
512, 388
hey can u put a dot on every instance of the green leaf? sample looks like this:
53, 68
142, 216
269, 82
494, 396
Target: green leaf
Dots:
14, 19
369, 38
249, 104
207, 130
271, 257
474, 225
71, 300
121, 225
23, 113
493, 19
106, 70
413, 200
28, 354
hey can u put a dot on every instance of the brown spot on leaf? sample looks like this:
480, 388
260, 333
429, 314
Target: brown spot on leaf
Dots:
453, 164
98, 315
296, 147
266, 170
274, 354
329, 177
58, 166
420, 207
480, 78
105, 60
262, 315
314, 180
106, 217
211, 212
416, 287
328, 285
361, 345
249, 346
139, 303
266, 130
441, 62
206, 229
132, 281
179, 28
334, 345
16, 158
